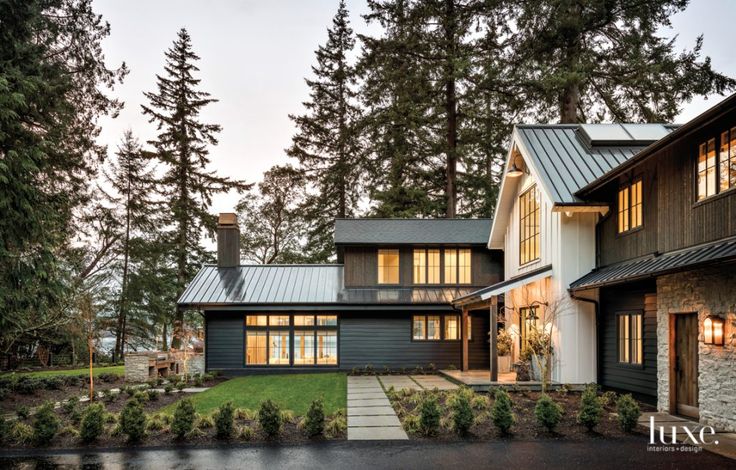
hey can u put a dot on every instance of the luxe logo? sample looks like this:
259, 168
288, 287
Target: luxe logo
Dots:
695, 437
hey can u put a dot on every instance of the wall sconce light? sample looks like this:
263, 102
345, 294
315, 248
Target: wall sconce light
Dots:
514, 171
713, 330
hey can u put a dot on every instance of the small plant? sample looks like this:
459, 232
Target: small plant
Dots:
547, 412
564, 389
93, 422
205, 422
168, 388
140, 397
183, 418
504, 342
314, 422
628, 412
431, 368
108, 396
45, 424
269, 417
287, 416
133, 420
224, 420
247, 433
369, 370
429, 415
452, 367
245, 414
23, 412
590, 408
21, 433
198, 380
336, 426
151, 394
501, 413
462, 414
412, 424
479, 402
69, 430
608, 398
181, 385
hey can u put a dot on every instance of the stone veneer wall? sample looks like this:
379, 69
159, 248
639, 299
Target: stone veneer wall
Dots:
705, 291
136, 367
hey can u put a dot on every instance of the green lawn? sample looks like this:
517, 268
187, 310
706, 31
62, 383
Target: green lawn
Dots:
119, 370
291, 391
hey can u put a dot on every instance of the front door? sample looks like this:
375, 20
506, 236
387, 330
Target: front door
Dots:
686, 364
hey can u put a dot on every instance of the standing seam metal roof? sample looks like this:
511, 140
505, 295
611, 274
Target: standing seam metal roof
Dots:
412, 231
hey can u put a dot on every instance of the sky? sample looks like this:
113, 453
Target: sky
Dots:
256, 54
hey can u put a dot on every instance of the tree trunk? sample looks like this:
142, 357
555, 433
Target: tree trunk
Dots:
181, 253
569, 102
122, 313
450, 110
570, 93
163, 339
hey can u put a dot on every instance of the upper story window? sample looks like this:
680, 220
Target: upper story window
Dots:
458, 266
388, 266
529, 233
716, 171
629, 207
426, 267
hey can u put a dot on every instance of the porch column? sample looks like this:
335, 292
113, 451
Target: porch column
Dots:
494, 338
464, 326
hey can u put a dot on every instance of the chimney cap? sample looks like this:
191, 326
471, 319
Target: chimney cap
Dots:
227, 218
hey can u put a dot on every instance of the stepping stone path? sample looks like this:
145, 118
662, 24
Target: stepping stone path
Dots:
430, 382
399, 382
370, 415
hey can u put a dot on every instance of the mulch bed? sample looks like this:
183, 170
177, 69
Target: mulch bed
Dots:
525, 426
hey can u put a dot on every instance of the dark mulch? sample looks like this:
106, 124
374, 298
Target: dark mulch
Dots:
525, 426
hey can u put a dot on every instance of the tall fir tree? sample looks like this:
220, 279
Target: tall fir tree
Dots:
54, 85
607, 61
326, 144
182, 144
132, 179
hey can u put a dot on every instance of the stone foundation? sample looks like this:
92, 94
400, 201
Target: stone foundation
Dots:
710, 291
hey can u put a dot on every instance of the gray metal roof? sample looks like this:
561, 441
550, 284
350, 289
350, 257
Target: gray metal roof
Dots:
410, 231
642, 268
299, 285
562, 155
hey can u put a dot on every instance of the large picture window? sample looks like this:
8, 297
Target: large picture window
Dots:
629, 207
388, 266
458, 266
426, 266
716, 170
291, 340
529, 232
630, 338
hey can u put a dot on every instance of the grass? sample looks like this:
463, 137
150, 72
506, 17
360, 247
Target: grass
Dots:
118, 370
293, 392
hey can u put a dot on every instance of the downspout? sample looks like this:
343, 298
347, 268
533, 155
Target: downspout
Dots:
596, 306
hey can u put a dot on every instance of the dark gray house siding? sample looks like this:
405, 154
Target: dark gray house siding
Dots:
640, 380
224, 340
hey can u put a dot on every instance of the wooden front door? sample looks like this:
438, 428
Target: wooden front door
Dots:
686, 364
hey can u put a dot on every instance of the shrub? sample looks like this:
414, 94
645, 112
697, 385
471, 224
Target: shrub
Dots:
479, 402
608, 398
151, 394
501, 414
287, 416
198, 381
168, 389
429, 415
140, 396
181, 385
336, 426
224, 420
53, 383
27, 385
70, 431
462, 414
108, 396
21, 433
314, 422
591, 408
205, 422
628, 412
547, 412
4, 392
412, 424
269, 417
133, 420
504, 343
245, 414
45, 424
247, 433
183, 418
92, 422
23, 412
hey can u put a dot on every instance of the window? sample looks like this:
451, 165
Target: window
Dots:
452, 327
629, 207
269, 340
716, 171
630, 340
426, 327
458, 266
388, 266
469, 331
528, 319
426, 266
529, 234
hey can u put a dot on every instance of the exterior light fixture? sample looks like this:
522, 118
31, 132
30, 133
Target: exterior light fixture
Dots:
514, 171
713, 330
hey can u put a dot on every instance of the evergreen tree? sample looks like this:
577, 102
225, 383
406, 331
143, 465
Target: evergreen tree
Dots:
604, 60
326, 143
182, 143
131, 178
53, 87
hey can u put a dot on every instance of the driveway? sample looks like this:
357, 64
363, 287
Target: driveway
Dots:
548, 454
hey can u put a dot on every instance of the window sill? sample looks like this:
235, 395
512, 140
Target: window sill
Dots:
630, 231
715, 197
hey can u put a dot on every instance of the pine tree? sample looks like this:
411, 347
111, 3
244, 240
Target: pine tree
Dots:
326, 144
182, 145
601, 61
131, 178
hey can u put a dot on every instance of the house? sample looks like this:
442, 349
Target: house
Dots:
386, 304
665, 271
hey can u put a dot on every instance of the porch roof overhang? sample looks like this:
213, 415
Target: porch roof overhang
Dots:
713, 253
482, 295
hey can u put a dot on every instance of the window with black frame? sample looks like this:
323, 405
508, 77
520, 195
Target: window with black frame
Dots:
269, 340
630, 338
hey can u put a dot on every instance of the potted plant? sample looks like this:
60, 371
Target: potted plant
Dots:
504, 351
540, 348
523, 366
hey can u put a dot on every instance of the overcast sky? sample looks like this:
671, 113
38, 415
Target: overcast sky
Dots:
255, 55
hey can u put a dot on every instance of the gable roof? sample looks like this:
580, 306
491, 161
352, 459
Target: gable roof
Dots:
412, 231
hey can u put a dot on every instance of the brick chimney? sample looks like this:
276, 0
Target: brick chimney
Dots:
228, 240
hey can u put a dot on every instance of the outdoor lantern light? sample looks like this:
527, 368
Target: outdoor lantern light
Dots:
515, 171
713, 330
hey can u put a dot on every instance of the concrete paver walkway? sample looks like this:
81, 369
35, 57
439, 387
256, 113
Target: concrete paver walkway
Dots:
370, 415
399, 382
430, 382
